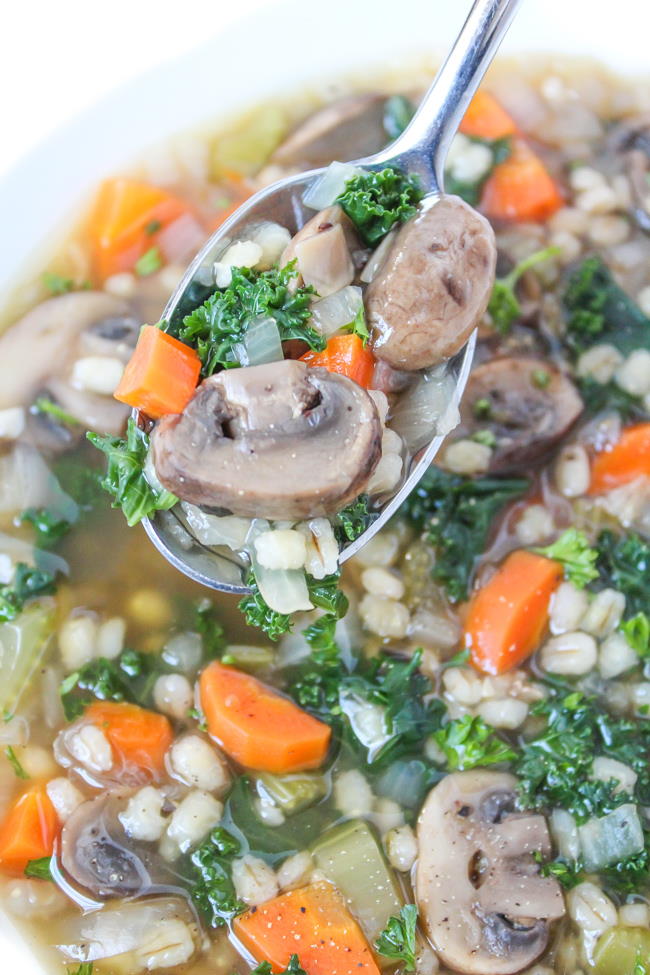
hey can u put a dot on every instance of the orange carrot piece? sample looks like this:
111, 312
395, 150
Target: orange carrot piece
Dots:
346, 355
258, 727
161, 375
520, 188
312, 922
139, 738
125, 221
507, 616
486, 118
28, 831
628, 459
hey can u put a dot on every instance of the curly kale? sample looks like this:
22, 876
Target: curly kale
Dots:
221, 322
578, 559
376, 202
608, 396
353, 520
27, 583
600, 311
213, 890
469, 742
624, 564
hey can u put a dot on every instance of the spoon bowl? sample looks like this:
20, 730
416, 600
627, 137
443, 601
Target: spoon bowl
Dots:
420, 150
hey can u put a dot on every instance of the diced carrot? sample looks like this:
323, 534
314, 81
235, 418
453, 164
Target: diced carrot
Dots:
28, 831
507, 616
125, 220
520, 188
346, 355
628, 459
486, 118
161, 375
312, 922
139, 738
258, 727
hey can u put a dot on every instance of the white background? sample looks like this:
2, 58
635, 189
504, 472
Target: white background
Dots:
58, 56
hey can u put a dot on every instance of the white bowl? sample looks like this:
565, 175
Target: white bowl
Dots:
287, 44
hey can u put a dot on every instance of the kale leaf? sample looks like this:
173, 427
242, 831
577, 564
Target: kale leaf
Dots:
213, 890
566, 872
49, 528
608, 396
504, 307
457, 514
636, 631
209, 627
624, 564
397, 940
376, 202
217, 325
469, 742
398, 112
258, 613
353, 520
27, 583
600, 311
578, 559
125, 478
324, 594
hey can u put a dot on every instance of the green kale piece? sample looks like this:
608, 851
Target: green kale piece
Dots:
213, 890
469, 742
624, 564
398, 112
27, 583
599, 310
353, 520
578, 558
376, 202
504, 306
49, 528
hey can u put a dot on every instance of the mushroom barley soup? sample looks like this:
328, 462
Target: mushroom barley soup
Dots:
436, 761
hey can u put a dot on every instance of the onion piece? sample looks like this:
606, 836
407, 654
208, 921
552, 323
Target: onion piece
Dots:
284, 590
27, 482
261, 343
324, 191
216, 530
367, 720
377, 258
23, 643
181, 240
611, 838
337, 310
425, 409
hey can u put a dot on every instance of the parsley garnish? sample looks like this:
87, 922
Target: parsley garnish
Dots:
39, 869
469, 742
636, 631
293, 968
578, 559
397, 940
376, 202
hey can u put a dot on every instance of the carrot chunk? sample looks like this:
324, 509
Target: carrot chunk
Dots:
161, 375
258, 727
346, 355
125, 220
486, 118
628, 459
139, 738
28, 831
508, 615
312, 922
520, 188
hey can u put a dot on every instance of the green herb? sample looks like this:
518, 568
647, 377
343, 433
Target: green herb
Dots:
459, 659
39, 869
79, 480
600, 311
469, 742
27, 583
397, 940
217, 325
196, 715
125, 478
504, 307
578, 559
293, 968
470, 190
152, 227
353, 520
639, 966
359, 326
56, 284
566, 872
608, 396
628, 875
212, 889
19, 771
130, 677
398, 112
50, 408
150, 262
636, 631
482, 409
541, 378
324, 594
210, 629
48, 527
457, 514
624, 564
258, 613
486, 437
85, 968
376, 202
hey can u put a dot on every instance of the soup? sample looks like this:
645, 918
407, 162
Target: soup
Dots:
442, 765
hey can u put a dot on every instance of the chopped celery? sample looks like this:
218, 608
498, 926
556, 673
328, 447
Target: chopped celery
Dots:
292, 792
611, 838
249, 658
245, 147
351, 858
23, 642
620, 949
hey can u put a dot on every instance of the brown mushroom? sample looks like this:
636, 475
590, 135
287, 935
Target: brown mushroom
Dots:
349, 128
480, 894
526, 403
322, 250
273, 441
433, 286
631, 138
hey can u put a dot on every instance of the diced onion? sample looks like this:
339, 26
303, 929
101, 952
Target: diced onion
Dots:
261, 343
23, 642
332, 313
611, 838
284, 590
324, 191
215, 530
423, 410
377, 258
367, 720
27, 482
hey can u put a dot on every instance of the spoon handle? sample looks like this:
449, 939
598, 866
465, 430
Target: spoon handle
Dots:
422, 147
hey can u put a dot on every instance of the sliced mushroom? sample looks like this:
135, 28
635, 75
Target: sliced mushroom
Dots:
323, 251
480, 894
433, 287
97, 855
346, 129
527, 403
632, 139
272, 441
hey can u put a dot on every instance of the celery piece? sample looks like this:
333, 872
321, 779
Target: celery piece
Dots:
23, 643
292, 792
619, 950
247, 657
351, 859
245, 148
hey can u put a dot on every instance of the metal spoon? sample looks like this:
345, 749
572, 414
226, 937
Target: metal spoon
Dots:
420, 149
